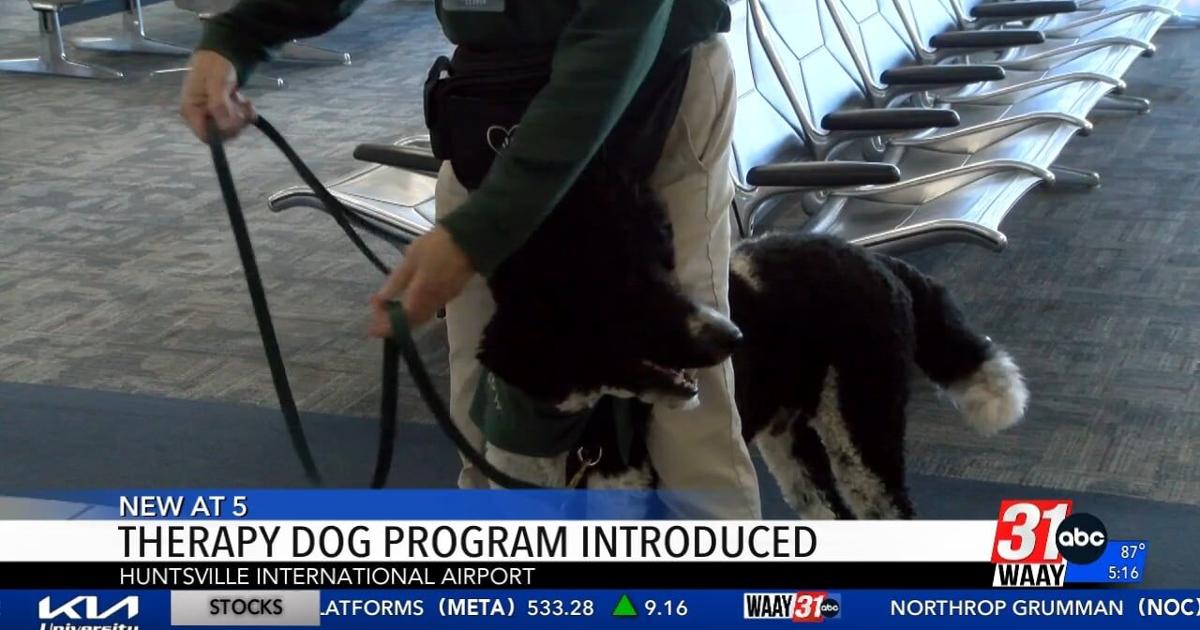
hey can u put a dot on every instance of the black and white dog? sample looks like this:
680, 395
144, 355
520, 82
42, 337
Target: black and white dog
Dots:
824, 337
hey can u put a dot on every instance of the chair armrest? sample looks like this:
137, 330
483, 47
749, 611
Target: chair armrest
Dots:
1023, 9
52, 5
893, 119
823, 174
399, 157
992, 38
942, 75
205, 7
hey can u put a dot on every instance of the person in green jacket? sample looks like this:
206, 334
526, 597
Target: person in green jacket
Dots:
603, 50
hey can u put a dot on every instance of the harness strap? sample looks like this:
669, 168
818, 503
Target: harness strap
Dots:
401, 343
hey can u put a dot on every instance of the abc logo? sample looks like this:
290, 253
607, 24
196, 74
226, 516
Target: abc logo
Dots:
830, 608
1081, 538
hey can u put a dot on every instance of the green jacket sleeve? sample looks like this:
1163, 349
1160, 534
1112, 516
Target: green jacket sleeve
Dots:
247, 33
600, 61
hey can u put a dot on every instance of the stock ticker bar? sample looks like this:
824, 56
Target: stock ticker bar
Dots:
600, 608
534, 575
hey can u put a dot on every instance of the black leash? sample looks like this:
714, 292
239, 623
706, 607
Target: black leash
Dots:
401, 343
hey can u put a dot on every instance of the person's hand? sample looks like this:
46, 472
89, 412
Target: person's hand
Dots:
210, 90
433, 272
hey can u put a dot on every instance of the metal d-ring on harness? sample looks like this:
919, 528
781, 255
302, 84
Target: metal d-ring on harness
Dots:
401, 343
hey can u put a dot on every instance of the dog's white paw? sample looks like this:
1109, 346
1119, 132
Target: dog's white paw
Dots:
994, 398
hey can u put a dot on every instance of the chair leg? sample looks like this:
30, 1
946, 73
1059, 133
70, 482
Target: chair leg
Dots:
1124, 103
1075, 178
256, 80
53, 59
298, 51
132, 39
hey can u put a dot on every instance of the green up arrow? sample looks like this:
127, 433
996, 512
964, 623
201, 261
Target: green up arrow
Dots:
625, 608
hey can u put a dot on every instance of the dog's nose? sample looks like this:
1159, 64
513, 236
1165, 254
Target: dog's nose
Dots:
735, 339
714, 330
726, 336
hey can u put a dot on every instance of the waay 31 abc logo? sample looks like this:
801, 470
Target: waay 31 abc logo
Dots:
801, 607
1036, 539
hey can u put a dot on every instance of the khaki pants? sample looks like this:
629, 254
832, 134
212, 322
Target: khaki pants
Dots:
699, 451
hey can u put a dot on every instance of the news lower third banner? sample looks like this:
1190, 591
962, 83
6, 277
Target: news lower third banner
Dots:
138, 560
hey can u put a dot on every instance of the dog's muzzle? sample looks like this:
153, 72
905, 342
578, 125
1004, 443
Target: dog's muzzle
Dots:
714, 332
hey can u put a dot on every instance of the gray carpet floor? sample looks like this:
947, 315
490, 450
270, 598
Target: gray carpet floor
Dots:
117, 272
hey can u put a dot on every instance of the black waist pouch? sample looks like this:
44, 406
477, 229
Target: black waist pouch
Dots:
474, 103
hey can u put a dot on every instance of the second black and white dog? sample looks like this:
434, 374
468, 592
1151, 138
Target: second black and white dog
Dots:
824, 339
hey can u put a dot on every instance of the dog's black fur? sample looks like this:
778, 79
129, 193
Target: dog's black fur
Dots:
826, 334
823, 317
590, 303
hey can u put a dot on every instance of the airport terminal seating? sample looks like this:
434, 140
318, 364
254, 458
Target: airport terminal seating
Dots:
53, 56
392, 199
1058, 18
839, 61
1028, 123
1096, 40
847, 126
798, 69
930, 28
133, 38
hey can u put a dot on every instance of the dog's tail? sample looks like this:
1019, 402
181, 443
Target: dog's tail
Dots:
981, 379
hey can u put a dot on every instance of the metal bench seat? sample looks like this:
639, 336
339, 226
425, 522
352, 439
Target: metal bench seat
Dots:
969, 214
1139, 20
1021, 84
1037, 146
942, 196
928, 20
985, 123
925, 21
392, 203
834, 56
52, 56
1068, 36
1069, 23
969, 9
886, 34
1056, 51
133, 37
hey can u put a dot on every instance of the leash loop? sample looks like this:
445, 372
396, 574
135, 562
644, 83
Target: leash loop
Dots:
262, 312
